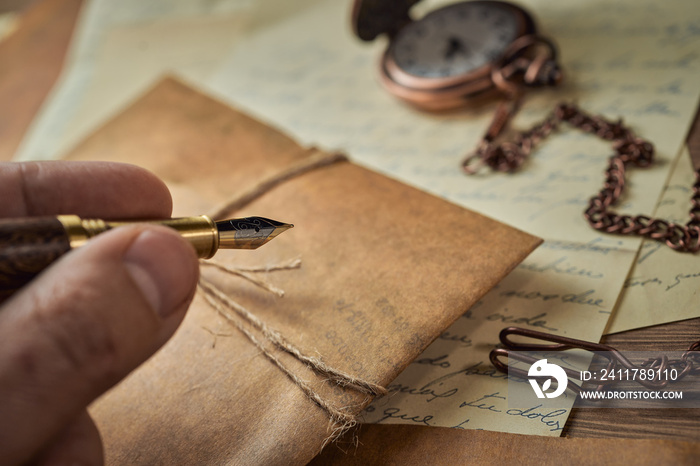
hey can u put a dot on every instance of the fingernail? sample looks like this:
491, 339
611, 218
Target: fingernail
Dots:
164, 267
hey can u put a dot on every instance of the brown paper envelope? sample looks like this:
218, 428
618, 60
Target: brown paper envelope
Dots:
385, 269
404, 444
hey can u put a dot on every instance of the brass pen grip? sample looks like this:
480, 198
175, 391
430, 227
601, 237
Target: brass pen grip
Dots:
29, 245
200, 232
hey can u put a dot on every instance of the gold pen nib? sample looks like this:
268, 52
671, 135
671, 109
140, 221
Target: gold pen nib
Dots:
248, 232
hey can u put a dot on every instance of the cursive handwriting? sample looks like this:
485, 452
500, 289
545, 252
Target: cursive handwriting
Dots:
545, 418
584, 298
422, 391
534, 321
595, 245
561, 266
440, 361
484, 403
680, 277
395, 413
642, 282
459, 426
463, 340
475, 369
648, 250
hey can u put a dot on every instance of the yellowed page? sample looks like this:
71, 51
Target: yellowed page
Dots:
118, 51
663, 285
635, 59
191, 47
8, 23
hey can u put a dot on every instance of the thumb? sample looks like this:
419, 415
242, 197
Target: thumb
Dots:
83, 325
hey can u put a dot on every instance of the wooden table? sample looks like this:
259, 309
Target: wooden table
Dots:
38, 48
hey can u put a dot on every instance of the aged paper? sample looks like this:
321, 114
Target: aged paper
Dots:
119, 50
8, 23
663, 285
191, 46
635, 60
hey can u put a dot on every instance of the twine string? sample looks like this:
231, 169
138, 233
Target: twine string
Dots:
317, 365
235, 313
316, 159
245, 273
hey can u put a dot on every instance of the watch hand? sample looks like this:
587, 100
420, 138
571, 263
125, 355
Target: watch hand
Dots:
454, 46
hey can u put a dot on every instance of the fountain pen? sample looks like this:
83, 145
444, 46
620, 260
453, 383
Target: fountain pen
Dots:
29, 245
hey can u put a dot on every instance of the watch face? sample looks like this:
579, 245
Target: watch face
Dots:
457, 39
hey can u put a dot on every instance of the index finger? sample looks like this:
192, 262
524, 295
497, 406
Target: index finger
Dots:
90, 189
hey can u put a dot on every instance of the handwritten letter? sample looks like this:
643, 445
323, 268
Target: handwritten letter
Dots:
560, 288
663, 285
635, 59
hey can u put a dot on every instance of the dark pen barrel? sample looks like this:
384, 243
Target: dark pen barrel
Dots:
28, 246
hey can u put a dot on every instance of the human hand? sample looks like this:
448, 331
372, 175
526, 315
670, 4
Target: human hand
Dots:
94, 315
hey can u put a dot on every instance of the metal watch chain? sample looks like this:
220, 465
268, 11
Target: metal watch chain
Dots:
508, 156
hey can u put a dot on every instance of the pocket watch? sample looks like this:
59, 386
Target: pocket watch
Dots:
456, 54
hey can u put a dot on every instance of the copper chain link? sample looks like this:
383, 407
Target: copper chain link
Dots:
629, 149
